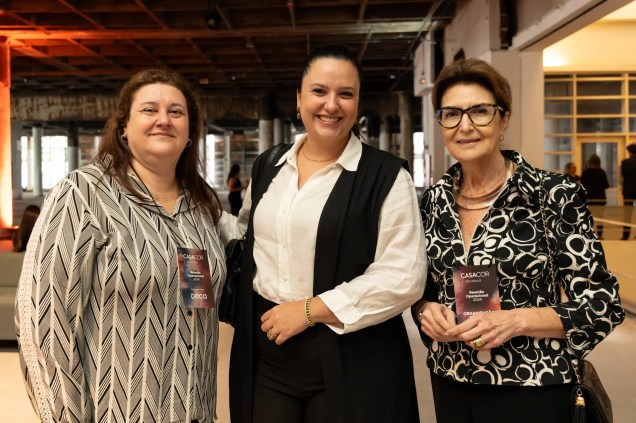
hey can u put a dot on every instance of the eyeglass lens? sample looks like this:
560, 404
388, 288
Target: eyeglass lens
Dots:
480, 115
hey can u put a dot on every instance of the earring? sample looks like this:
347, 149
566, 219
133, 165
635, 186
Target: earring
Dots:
189, 143
501, 137
123, 138
297, 112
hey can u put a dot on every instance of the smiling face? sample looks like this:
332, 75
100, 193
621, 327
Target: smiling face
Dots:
328, 99
157, 128
467, 142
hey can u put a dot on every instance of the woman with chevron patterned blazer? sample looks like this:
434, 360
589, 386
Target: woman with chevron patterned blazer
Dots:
115, 308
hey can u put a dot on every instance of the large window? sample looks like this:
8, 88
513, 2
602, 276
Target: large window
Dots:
585, 106
589, 114
54, 164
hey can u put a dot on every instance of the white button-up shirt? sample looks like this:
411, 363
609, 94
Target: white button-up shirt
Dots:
285, 230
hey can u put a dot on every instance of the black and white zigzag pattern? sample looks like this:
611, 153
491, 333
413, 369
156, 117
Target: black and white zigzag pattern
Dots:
103, 331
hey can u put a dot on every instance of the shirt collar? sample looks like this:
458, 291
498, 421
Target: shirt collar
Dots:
349, 159
183, 203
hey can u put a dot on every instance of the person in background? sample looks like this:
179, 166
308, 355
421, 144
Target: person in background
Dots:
22, 235
484, 218
334, 255
594, 180
115, 306
235, 189
570, 170
628, 172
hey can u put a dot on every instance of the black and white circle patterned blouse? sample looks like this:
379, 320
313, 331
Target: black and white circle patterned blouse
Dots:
512, 236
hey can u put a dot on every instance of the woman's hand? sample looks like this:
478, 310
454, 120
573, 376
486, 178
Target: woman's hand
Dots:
496, 327
436, 320
493, 328
286, 320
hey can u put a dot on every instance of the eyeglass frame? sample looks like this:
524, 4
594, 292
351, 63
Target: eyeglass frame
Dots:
465, 112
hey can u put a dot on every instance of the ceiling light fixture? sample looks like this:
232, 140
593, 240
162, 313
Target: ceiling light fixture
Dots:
213, 20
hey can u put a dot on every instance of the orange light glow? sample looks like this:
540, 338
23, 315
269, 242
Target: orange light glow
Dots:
6, 196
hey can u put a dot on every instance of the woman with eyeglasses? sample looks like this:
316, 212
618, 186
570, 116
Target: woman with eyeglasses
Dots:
500, 338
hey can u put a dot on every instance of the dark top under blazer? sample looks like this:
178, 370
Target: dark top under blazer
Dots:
368, 373
628, 172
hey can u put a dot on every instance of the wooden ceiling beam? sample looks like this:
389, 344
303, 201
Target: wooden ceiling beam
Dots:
386, 27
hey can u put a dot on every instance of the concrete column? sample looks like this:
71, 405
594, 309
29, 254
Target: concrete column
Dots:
265, 123
524, 71
203, 146
433, 142
16, 159
6, 186
227, 163
278, 131
73, 150
287, 132
265, 135
406, 127
385, 135
37, 132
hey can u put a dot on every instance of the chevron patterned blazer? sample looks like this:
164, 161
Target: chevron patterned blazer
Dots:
103, 331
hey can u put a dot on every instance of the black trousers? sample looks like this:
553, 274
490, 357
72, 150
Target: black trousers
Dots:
289, 385
628, 204
457, 402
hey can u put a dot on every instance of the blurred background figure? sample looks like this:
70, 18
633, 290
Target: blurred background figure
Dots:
628, 172
23, 233
594, 179
235, 188
570, 170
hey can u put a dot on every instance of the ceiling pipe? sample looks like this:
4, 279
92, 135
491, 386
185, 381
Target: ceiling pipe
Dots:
290, 6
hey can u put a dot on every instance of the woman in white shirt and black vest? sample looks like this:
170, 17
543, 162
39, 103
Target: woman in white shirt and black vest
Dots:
335, 253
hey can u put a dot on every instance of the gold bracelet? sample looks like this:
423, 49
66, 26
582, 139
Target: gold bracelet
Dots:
310, 322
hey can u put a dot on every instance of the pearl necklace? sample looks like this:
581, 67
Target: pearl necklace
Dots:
482, 201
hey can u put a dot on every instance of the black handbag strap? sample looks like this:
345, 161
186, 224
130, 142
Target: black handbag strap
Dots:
548, 234
555, 285
273, 154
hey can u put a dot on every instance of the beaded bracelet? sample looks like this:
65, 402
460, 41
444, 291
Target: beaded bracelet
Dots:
310, 322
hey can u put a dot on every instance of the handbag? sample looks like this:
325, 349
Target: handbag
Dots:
590, 402
234, 257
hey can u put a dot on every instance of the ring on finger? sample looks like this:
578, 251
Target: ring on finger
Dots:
271, 335
478, 342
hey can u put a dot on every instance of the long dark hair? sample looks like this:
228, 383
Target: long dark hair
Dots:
335, 51
115, 156
23, 233
235, 169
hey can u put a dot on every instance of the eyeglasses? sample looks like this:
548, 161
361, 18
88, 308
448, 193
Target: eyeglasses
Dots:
479, 115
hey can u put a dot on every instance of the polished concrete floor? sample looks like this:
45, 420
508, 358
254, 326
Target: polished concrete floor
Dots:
613, 358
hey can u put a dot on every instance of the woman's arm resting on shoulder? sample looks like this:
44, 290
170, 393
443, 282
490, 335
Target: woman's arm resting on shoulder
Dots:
234, 227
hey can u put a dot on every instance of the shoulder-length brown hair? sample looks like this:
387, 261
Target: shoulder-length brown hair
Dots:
473, 71
115, 156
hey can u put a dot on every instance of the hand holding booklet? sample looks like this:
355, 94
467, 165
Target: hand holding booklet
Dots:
476, 290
